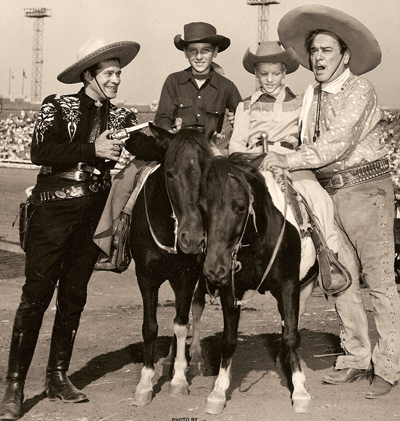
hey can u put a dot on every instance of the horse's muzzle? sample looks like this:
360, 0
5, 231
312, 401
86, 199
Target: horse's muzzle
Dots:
190, 245
218, 275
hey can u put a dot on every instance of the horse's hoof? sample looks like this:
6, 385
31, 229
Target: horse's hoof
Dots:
142, 398
178, 390
214, 407
301, 405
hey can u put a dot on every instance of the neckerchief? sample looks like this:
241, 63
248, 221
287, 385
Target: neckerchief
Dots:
333, 87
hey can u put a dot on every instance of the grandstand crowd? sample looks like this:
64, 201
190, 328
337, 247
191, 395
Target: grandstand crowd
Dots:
16, 134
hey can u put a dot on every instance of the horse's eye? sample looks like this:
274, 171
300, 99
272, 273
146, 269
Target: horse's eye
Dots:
241, 209
169, 174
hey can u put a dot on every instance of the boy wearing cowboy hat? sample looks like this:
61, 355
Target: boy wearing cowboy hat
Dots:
273, 110
198, 95
70, 142
342, 143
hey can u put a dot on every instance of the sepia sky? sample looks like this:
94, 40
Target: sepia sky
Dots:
154, 23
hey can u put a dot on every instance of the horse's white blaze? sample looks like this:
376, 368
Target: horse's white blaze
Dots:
180, 364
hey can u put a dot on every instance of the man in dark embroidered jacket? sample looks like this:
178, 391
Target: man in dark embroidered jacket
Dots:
71, 143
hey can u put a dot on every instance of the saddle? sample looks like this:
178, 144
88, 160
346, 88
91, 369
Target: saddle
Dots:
334, 276
119, 257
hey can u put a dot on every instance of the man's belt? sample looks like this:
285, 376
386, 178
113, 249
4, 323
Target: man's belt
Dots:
80, 172
70, 192
331, 182
286, 145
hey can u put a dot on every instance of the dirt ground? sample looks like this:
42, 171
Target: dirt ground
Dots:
108, 358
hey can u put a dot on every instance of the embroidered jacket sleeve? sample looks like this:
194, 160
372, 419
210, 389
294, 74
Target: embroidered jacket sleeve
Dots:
144, 147
348, 130
139, 144
56, 139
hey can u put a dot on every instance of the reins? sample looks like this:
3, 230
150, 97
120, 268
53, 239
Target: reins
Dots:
236, 265
170, 250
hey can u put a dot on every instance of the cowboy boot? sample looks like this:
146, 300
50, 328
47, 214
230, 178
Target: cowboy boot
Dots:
22, 348
57, 383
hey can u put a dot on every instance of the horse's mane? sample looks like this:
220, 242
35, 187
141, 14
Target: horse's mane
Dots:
238, 165
182, 138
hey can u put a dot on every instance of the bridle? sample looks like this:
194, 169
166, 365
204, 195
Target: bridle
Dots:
236, 265
168, 249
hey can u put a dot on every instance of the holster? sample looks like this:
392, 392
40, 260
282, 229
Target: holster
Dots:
26, 210
120, 254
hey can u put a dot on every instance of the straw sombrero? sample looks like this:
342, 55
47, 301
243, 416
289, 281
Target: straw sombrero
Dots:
271, 52
296, 25
201, 32
96, 50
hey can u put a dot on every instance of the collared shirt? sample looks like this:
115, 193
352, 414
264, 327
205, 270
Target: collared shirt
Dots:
61, 136
204, 106
350, 135
277, 117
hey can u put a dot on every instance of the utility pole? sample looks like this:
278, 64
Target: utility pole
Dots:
37, 13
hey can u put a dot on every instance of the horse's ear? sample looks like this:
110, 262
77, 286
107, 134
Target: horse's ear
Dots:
163, 137
256, 161
212, 135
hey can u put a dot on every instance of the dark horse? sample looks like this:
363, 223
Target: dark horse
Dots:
239, 212
166, 236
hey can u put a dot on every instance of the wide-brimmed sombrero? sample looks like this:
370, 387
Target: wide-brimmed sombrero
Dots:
96, 50
296, 25
201, 32
271, 52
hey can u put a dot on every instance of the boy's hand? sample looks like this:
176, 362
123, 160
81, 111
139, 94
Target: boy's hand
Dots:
274, 159
231, 117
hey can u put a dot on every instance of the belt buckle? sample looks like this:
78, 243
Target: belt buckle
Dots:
86, 168
79, 176
336, 181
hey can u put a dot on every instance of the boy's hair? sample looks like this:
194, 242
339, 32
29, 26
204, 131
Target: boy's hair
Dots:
284, 69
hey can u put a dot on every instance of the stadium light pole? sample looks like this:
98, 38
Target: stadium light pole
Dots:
263, 17
37, 13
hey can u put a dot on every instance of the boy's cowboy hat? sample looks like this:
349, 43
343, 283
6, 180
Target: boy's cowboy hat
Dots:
271, 52
295, 26
96, 50
201, 32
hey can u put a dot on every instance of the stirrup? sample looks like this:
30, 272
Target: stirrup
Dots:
335, 277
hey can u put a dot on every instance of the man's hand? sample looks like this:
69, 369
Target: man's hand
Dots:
274, 159
107, 148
